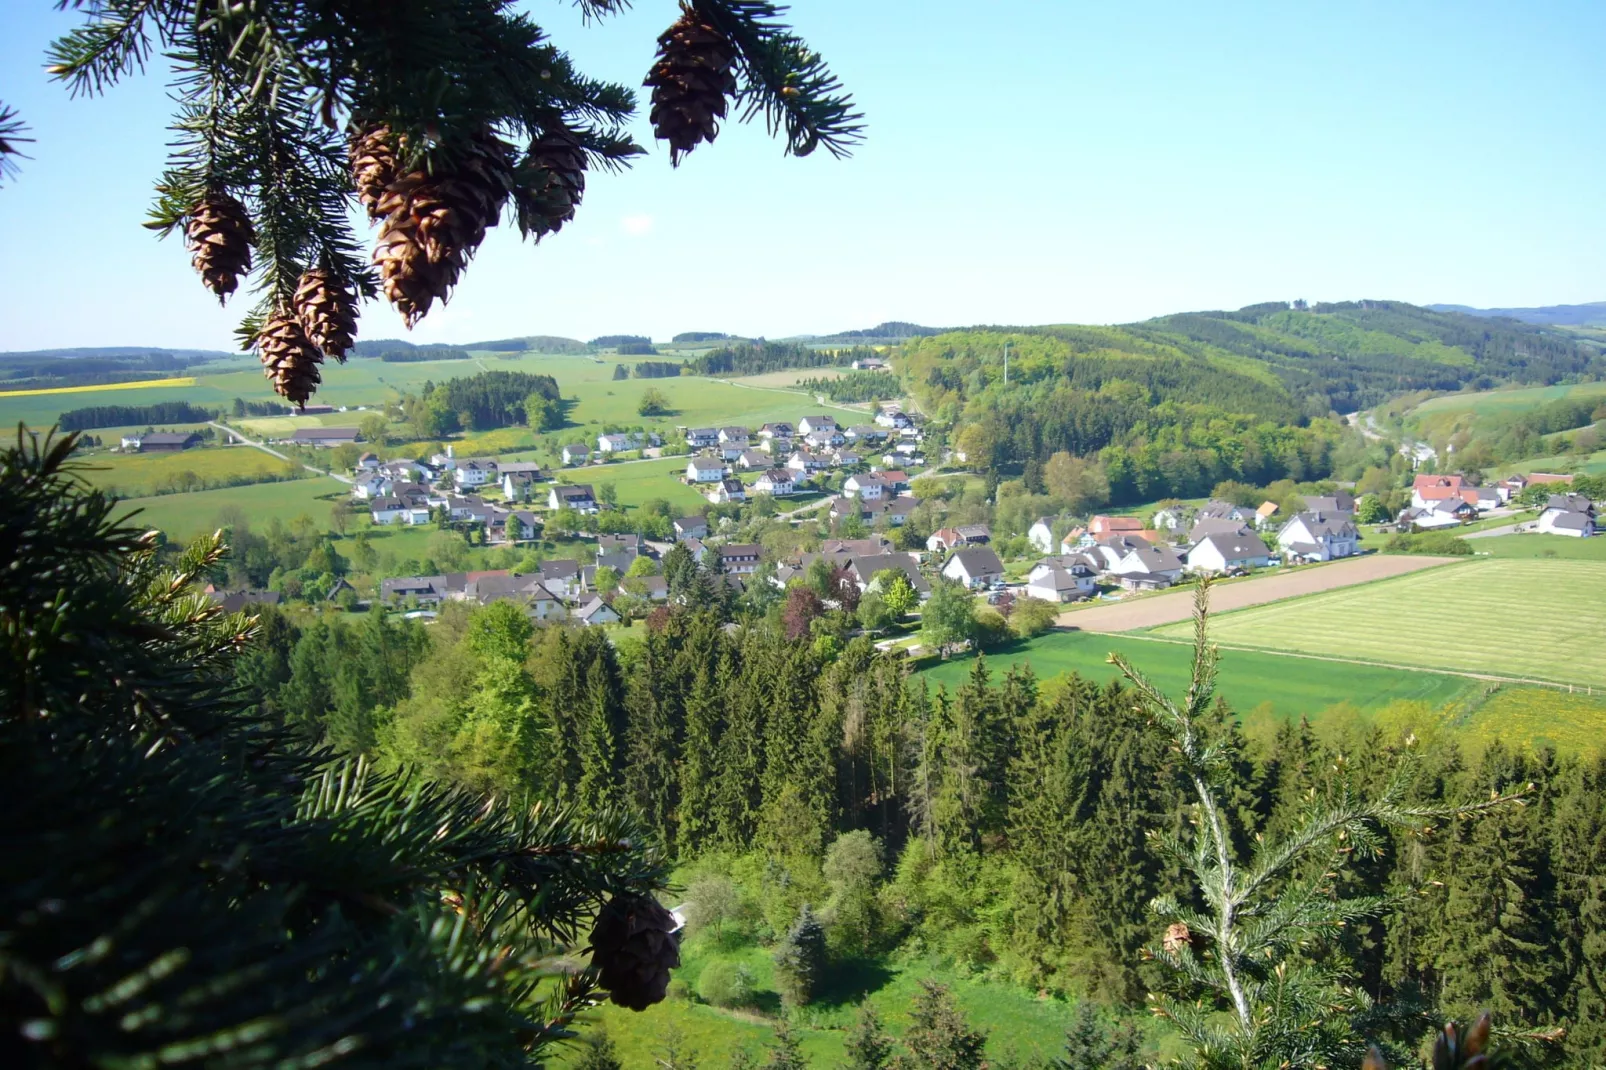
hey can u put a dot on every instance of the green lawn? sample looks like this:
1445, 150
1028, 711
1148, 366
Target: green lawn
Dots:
1519, 617
1564, 547
1503, 401
134, 474
182, 516
1016, 1021
636, 482
1258, 685
1569, 721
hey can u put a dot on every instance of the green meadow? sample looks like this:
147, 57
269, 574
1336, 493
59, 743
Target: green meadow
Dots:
1506, 401
183, 516
1525, 618
1260, 686
135, 474
1531, 545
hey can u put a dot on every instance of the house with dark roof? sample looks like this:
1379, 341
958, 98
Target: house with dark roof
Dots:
974, 566
691, 527
578, 497
740, 558
1568, 514
726, 491
1320, 536
324, 436
1224, 551
779, 482
1148, 568
1063, 579
166, 441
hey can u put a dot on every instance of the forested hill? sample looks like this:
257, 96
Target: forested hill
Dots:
1272, 360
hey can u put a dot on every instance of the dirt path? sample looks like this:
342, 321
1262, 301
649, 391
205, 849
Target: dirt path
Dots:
1169, 608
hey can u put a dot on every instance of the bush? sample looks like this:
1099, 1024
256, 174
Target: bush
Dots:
1430, 542
726, 984
1032, 616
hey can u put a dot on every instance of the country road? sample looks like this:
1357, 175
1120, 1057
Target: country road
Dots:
1489, 533
237, 437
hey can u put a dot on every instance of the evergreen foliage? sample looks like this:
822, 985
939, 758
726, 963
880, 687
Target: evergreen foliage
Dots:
162, 412
869, 1046
800, 959
755, 358
939, 1038
217, 890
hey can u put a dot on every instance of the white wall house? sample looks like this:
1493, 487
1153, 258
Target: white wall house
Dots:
1569, 522
1041, 535
810, 424
704, 469
1052, 582
1149, 567
576, 455
578, 497
778, 482
1220, 552
865, 487
1319, 536
974, 566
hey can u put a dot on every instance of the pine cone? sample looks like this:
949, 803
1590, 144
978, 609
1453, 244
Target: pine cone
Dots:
327, 309
288, 357
633, 947
220, 237
373, 167
690, 81
433, 223
1177, 936
551, 181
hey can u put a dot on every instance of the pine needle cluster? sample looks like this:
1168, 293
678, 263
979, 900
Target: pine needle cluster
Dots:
184, 884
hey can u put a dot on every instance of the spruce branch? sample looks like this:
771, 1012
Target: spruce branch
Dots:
12, 134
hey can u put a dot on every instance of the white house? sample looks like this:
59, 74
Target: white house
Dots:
1442, 513
805, 462
396, 511
1223, 551
810, 424
705, 468
476, 472
974, 566
1319, 536
733, 436
618, 443
372, 485
750, 459
702, 437
779, 429
596, 611
691, 527
726, 491
577, 497
890, 415
777, 482
866, 487
1041, 535
1149, 567
576, 455
1568, 514
1055, 581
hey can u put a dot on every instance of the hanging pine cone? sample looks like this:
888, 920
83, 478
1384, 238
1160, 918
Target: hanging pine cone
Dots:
288, 357
220, 235
633, 947
433, 223
327, 309
1177, 936
551, 181
373, 167
690, 81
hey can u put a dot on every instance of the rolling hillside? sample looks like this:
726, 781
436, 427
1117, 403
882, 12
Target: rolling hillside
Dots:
1267, 360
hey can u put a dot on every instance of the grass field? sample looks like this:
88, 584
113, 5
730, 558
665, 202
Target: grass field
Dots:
1502, 401
1257, 685
1593, 464
1017, 1023
134, 474
1571, 722
183, 516
143, 384
1521, 618
1563, 547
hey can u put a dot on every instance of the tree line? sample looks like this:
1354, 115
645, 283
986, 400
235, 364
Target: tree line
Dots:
1012, 813
161, 412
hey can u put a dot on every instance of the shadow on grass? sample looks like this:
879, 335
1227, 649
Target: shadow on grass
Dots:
848, 982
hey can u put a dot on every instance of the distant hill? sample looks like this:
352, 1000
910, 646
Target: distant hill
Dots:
891, 331
115, 353
1271, 360
1590, 315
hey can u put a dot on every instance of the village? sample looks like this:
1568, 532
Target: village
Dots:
854, 484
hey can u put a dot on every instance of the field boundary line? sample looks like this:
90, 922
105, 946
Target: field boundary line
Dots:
1434, 563
1589, 689
139, 384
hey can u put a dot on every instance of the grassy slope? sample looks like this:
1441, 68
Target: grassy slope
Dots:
183, 516
1506, 401
1015, 1020
1564, 547
1489, 616
139, 473
1259, 685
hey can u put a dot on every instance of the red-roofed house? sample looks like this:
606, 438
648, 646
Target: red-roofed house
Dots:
1114, 525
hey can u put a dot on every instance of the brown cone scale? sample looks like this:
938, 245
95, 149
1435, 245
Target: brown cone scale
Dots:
633, 948
552, 179
220, 236
434, 221
327, 310
690, 81
373, 167
288, 357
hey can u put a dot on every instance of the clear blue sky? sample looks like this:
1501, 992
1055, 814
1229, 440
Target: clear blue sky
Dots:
1034, 161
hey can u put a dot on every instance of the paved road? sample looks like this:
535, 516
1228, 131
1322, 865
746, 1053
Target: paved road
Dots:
1160, 609
236, 436
1504, 529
